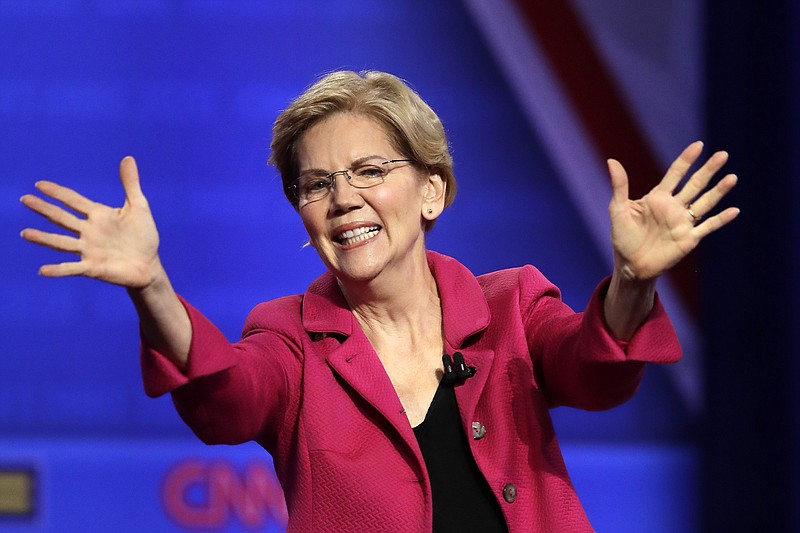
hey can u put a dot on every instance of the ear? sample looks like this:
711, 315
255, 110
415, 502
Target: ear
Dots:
433, 191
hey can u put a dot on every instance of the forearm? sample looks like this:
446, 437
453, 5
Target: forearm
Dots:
578, 360
627, 304
164, 322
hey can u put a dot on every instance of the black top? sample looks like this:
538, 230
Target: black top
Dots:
462, 499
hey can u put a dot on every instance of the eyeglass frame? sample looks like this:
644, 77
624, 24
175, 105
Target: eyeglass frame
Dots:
332, 178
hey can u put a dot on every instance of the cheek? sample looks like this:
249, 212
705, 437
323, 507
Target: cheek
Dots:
400, 200
313, 224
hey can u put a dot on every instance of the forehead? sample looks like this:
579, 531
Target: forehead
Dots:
342, 138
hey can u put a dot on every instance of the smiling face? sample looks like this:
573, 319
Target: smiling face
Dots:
361, 234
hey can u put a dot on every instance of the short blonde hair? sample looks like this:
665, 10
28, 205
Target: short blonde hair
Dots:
412, 126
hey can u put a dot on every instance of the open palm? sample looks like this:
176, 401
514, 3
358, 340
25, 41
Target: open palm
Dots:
652, 234
117, 245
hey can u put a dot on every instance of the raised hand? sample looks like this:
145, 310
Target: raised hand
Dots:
651, 234
117, 245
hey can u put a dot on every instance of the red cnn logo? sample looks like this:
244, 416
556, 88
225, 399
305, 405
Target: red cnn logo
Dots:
203, 494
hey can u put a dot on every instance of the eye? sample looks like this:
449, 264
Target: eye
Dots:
312, 185
370, 172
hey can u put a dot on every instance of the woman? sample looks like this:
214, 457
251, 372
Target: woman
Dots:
345, 385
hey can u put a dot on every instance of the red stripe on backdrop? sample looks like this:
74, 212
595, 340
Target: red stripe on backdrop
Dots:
595, 98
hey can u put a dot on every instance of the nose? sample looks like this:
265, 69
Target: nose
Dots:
344, 197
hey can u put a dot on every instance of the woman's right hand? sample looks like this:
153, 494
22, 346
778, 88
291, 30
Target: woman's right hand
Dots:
117, 245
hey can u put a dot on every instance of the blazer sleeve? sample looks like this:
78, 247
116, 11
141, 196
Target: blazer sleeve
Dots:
231, 392
577, 360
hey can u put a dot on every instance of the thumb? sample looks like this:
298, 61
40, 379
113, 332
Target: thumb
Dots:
619, 181
129, 176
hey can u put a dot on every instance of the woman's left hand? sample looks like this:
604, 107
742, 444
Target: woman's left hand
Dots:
652, 234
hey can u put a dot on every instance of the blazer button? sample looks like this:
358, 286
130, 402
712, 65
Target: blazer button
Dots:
510, 493
478, 430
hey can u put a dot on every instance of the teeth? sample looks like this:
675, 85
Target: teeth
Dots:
357, 235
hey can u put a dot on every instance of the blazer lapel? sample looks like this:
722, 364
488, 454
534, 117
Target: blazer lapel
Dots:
325, 312
358, 364
465, 315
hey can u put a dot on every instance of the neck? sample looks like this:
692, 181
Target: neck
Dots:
399, 303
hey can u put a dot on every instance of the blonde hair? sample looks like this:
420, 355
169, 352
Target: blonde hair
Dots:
412, 126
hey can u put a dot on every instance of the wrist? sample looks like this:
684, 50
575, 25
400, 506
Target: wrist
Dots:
154, 280
627, 303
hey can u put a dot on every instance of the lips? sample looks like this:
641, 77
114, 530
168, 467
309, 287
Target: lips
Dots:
355, 235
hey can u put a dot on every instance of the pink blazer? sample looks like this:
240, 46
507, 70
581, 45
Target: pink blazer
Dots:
305, 383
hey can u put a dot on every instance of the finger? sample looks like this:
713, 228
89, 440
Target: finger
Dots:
129, 176
699, 180
66, 196
678, 169
714, 223
619, 181
55, 241
60, 270
711, 198
53, 213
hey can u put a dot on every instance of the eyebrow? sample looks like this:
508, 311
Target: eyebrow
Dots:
355, 163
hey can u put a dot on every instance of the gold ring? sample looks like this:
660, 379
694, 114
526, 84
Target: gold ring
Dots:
692, 213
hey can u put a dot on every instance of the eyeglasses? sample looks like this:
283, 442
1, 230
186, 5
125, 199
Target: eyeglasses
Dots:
310, 188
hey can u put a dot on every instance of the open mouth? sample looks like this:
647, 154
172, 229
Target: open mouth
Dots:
353, 236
